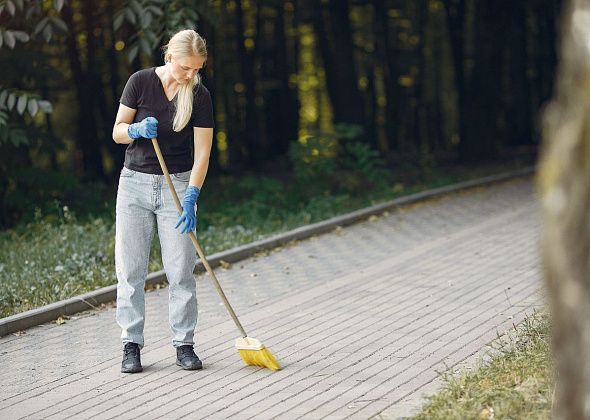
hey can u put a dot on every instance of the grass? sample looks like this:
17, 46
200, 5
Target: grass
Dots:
60, 253
516, 383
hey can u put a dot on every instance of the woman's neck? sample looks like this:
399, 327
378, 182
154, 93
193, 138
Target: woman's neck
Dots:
167, 80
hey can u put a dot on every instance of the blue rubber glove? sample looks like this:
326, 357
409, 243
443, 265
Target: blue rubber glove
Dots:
147, 128
188, 218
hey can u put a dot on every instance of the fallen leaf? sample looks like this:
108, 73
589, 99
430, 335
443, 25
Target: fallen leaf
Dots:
486, 413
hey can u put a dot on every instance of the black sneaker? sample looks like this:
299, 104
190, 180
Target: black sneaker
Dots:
187, 359
131, 360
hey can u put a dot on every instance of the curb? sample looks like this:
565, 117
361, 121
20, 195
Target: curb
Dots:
92, 300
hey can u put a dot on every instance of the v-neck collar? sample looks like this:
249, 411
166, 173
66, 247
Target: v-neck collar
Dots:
163, 90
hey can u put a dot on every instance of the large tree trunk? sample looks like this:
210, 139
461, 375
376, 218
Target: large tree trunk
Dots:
564, 182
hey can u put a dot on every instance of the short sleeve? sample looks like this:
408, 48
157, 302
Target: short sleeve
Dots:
130, 93
202, 108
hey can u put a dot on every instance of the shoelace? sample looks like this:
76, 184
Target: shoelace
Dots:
131, 349
187, 351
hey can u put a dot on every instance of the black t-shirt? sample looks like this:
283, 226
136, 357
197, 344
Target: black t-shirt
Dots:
144, 92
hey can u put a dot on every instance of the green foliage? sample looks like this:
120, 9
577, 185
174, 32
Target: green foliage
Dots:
154, 20
339, 159
29, 20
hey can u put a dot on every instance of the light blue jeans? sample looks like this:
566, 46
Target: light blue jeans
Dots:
144, 202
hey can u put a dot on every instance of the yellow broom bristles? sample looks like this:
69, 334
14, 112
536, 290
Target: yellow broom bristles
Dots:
261, 357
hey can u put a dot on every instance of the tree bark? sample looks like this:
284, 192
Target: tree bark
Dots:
86, 136
116, 150
249, 132
334, 36
518, 107
564, 184
482, 107
288, 101
388, 54
455, 11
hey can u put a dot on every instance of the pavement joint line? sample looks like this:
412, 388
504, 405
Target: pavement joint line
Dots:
485, 333
146, 391
294, 308
502, 291
104, 384
432, 312
86, 301
402, 371
168, 383
499, 293
459, 211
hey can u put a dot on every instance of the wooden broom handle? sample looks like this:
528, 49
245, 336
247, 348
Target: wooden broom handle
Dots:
194, 239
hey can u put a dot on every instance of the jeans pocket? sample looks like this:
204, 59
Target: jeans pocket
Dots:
182, 176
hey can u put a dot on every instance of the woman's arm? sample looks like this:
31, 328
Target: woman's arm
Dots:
203, 138
124, 117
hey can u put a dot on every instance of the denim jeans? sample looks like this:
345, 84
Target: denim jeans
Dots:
145, 203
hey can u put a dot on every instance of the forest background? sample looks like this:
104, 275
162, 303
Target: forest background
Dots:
320, 106
298, 86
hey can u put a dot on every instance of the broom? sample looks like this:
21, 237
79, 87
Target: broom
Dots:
251, 350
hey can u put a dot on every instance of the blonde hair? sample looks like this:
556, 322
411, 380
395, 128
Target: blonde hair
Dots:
185, 43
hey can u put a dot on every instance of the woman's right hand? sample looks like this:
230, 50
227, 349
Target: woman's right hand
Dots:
147, 128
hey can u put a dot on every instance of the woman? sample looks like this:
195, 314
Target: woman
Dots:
168, 102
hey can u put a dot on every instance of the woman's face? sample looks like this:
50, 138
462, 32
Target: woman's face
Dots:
184, 69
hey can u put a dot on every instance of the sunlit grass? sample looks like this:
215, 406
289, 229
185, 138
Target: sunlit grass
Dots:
515, 384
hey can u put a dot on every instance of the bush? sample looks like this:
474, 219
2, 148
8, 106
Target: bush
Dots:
338, 162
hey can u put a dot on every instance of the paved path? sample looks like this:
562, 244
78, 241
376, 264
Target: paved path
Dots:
362, 319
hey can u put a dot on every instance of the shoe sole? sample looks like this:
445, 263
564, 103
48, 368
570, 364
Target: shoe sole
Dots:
198, 367
131, 370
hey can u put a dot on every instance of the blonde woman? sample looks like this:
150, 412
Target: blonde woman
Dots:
168, 102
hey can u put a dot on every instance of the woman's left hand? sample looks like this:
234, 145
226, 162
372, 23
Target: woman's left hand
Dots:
188, 218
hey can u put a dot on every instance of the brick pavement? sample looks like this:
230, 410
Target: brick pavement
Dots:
363, 320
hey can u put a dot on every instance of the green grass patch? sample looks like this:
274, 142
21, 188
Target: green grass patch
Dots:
516, 383
59, 252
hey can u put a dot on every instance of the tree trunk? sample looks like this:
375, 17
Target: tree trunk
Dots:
116, 150
455, 11
334, 36
422, 108
518, 107
388, 54
564, 184
288, 110
249, 133
439, 125
86, 136
482, 108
